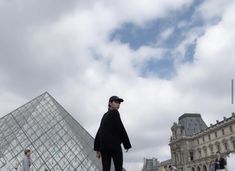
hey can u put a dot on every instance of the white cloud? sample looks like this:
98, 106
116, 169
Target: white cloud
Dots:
139, 12
213, 64
208, 78
211, 9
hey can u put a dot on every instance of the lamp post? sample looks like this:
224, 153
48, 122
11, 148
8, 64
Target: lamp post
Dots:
232, 91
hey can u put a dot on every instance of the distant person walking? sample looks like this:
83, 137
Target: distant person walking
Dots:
17, 166
27, 162
111, 134
220, 162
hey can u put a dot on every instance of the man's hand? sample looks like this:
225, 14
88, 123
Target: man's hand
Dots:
127, 150
98, 154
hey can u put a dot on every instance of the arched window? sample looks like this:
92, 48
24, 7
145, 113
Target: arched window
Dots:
191, 155
198, 168
204, 168
193, 169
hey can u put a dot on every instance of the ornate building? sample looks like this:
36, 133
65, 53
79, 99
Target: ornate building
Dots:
150, 164
163, 164
193, 144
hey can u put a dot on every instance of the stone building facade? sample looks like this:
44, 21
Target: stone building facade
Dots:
162, 164
193, 144
150, 164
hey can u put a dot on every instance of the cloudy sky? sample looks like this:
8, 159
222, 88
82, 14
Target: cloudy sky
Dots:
164, 57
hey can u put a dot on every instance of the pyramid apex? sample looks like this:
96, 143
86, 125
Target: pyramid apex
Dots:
46, 92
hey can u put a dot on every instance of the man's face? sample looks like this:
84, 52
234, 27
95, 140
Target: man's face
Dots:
115, 104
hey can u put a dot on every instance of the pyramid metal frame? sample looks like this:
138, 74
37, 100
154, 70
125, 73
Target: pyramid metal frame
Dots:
57, 140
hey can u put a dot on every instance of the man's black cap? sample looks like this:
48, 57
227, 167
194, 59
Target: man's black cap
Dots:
115, 98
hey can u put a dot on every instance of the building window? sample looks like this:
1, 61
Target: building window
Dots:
209, 136
173, 157
204, 168
216, 135
233, 142
197, 141
218, 146
205, 151
181, 158
231, 128
203, 139
226, 146
211, 148
223, 131
191, 155
178, 157
200, 153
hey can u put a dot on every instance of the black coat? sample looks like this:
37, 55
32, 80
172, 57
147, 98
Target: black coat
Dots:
111, 133
221, 163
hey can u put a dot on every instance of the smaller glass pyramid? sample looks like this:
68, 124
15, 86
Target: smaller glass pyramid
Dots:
57, 140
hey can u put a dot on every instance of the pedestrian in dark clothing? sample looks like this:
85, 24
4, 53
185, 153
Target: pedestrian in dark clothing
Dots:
220, 162
110, 136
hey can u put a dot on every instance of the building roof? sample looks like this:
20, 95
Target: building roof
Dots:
150, 164
192, 123
165, 163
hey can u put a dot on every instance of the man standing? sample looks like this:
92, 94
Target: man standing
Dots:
26, 163
220, 162
110, 136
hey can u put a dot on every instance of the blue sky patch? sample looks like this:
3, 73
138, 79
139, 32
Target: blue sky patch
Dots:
137, 36
181, 22
188, 57
163, 68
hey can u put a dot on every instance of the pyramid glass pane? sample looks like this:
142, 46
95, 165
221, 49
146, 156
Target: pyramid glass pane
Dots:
57, 140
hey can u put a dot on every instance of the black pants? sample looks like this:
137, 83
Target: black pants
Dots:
116, 155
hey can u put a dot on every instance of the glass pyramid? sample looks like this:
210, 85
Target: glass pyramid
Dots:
57, 140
